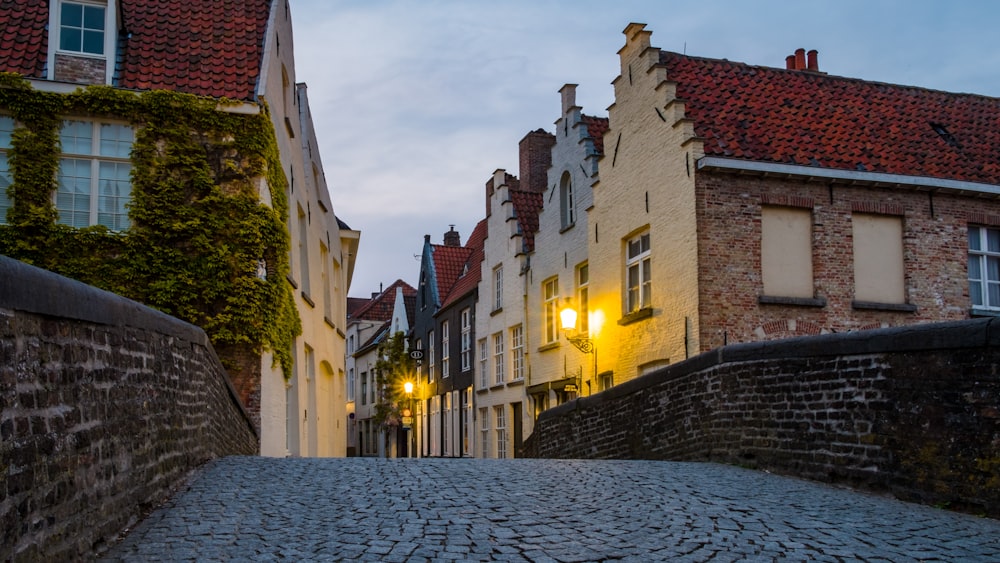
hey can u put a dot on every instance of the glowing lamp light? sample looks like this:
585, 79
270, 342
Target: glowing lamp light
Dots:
408, 387
568, 318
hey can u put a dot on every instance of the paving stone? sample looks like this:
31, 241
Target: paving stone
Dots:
545, 511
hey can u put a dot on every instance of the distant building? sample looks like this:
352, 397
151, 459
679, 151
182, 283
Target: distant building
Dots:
168, 145
368, 325
740, 203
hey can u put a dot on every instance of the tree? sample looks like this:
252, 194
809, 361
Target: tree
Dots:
393, 368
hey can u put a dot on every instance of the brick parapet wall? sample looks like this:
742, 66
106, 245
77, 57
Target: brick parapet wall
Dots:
914, 411
105, 406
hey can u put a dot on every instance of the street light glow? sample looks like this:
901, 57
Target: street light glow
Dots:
408, 387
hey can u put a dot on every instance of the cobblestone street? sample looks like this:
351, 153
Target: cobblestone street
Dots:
363, 509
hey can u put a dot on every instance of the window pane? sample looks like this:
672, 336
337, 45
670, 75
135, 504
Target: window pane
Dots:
93, 42
93, 18
70, 39
115, 190
993, 240
633, 248
116, 140
644, 240
993, 268
76, 136
6, 130
976, 292
974, 243
994, 295
975, 272
72, 14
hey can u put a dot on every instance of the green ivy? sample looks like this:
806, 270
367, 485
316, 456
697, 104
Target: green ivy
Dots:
199, 230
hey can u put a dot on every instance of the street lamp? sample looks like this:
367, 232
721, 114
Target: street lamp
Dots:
567, 318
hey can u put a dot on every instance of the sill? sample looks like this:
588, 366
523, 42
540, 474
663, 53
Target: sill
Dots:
981, 312
549, 346
900, 307
495, 312
636, 316
308, 300
327, 320
515, 383
291, 281
482, 391
497, 387
794, 301
566, 228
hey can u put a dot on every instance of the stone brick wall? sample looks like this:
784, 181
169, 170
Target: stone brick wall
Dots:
105, 406
935, 245
913, 411
80, 70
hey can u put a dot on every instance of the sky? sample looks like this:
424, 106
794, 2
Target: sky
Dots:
417, 102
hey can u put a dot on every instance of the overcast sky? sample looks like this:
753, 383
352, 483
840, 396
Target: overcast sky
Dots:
417, 102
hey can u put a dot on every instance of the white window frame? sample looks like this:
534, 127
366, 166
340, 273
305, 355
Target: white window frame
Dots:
484, 432
466, 339
583, 297
484, 363
517, 352
567, 202
499, 374
445, 349
638, 287
501, 427
430, 356
364, 388
445, 427
110, 36
350, 385
498, 288
86, 168
550, 310
981, 256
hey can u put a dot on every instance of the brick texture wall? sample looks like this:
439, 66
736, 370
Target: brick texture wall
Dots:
105, 406
914, 411
81, 70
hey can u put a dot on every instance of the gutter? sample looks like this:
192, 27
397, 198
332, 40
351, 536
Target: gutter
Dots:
709, 163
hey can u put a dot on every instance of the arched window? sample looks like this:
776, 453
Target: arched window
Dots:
566, 201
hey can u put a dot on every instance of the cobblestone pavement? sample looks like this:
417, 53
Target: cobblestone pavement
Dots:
363, 509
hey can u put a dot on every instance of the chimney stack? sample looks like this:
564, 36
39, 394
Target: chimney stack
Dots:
535, 152
452, 238
803, 61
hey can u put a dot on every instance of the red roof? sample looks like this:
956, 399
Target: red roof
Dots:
813, 119
449, 264
596, 128
379, 307
23, 36
473, 265
204, 47
527, 205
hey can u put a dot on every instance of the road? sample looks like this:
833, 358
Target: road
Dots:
365, 509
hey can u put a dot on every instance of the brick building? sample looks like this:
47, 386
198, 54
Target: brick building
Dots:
739, 203
168, 145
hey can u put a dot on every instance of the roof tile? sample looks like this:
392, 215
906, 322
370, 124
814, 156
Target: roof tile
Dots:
814, 119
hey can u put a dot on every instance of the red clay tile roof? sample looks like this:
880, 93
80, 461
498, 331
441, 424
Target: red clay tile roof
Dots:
596, 128
379, 308
204, 47
813, 119
474, 273
23, 37
449, 263
526, 206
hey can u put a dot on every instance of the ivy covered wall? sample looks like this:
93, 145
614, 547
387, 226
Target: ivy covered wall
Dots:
199, 231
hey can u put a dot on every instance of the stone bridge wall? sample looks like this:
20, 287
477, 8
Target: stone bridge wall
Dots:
105, 406
914, 411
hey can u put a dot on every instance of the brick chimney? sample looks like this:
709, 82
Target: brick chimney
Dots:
803, 61
535, 159
452, 238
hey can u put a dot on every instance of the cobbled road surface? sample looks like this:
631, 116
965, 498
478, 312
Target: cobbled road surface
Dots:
365, 509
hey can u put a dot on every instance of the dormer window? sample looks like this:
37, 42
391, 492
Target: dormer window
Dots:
81, 28
82, 41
